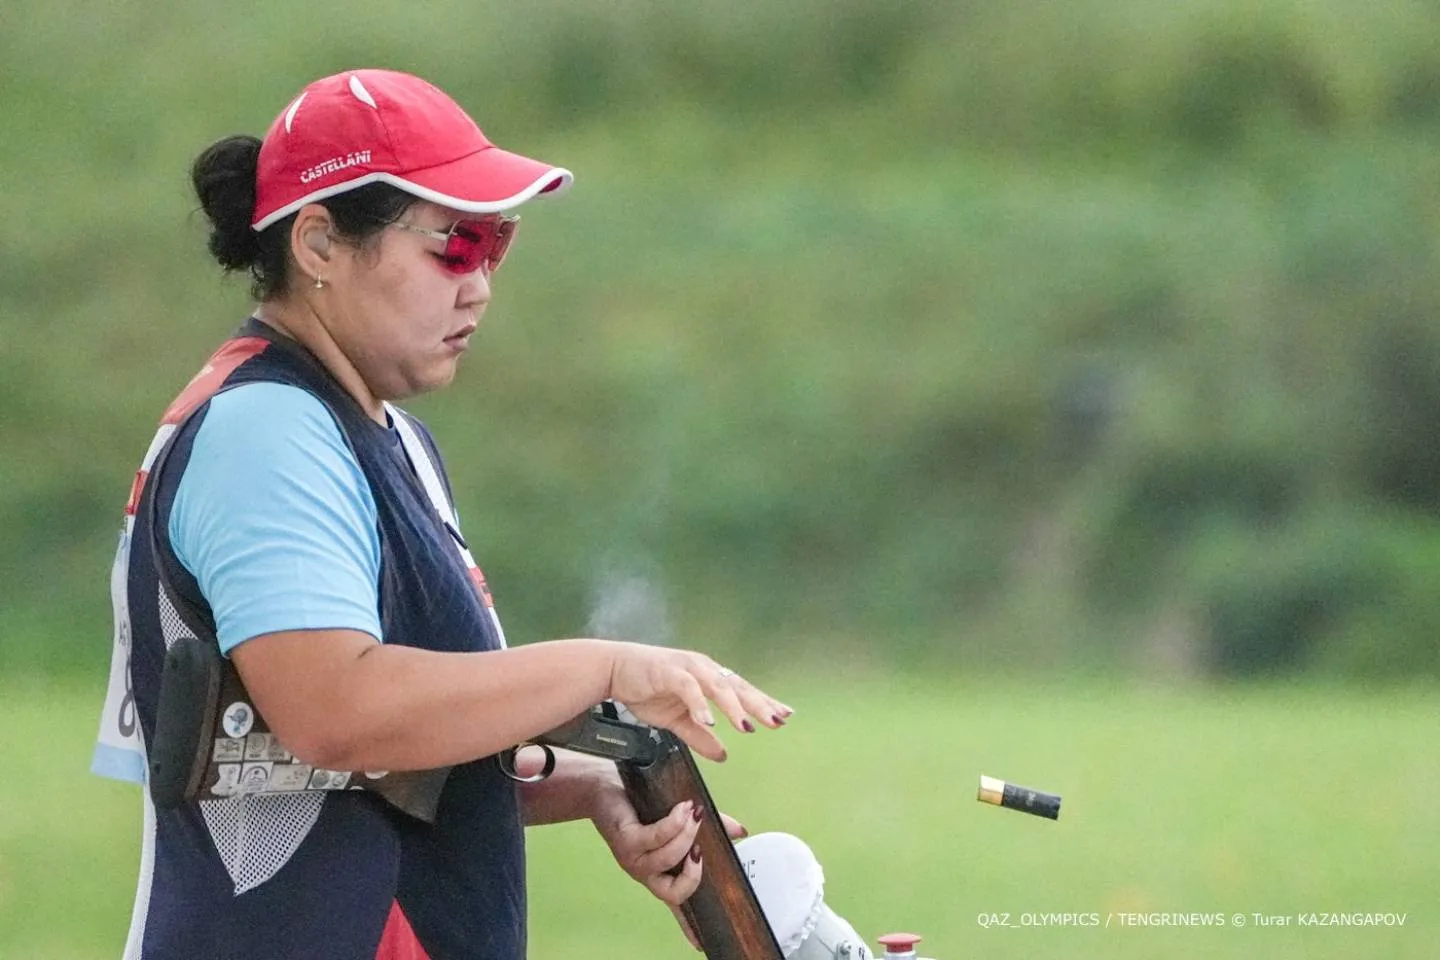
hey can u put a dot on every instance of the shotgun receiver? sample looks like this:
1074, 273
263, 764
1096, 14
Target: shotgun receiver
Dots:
659, 771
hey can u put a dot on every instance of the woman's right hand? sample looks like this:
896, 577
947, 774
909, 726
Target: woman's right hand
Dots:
673, 689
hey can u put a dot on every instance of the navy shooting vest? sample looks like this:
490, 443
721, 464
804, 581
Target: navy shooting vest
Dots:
314, 875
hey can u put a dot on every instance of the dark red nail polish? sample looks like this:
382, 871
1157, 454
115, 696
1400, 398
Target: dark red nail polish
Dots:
747, 726
699, 813
778, 720
695, 853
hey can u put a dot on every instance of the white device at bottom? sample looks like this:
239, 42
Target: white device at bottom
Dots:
790, 886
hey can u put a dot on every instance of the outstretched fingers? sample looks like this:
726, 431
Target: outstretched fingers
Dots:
739, 699
674, 689
692, 694
699, 738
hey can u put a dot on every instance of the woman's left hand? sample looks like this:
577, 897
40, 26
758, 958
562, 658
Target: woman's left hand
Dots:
649, 852
736, 830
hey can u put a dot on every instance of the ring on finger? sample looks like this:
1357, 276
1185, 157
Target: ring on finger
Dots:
726, 672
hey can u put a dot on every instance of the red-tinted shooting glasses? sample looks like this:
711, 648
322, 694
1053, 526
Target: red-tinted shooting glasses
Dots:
472, 244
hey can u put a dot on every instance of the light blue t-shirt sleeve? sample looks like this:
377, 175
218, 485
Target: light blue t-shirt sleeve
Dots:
275, 519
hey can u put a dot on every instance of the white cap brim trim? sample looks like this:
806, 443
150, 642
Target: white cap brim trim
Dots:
550, 177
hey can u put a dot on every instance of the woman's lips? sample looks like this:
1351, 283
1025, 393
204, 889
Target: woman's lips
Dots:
460, 339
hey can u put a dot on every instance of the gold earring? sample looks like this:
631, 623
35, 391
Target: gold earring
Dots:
319, 282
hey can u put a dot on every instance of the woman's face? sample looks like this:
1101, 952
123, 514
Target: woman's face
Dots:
399, 316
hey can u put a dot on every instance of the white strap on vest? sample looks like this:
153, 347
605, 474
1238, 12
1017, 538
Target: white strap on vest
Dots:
419, 456
429, 477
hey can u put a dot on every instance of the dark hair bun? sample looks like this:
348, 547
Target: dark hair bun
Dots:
224, 179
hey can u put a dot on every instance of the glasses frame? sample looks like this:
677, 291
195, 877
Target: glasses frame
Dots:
504, 227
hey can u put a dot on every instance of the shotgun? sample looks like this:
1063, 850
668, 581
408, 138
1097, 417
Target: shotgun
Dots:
659, 771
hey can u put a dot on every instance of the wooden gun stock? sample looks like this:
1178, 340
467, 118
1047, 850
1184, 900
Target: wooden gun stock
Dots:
723, 912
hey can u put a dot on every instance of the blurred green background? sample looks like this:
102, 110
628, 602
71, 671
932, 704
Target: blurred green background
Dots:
1044, 390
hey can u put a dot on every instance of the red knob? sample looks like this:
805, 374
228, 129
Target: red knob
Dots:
899, 943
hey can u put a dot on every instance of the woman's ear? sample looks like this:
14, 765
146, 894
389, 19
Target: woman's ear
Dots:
310, 242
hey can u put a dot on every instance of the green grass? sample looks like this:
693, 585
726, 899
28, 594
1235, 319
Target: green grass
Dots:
1253, 800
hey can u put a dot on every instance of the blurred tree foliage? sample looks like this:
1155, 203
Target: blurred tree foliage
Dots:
1038, 336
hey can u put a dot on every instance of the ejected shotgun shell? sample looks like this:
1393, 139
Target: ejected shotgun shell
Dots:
1004, 794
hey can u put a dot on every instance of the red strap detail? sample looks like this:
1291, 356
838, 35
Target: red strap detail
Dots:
136, 488
478, 578
204, 384
398, 942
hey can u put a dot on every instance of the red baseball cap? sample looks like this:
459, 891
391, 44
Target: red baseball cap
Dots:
367, 126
